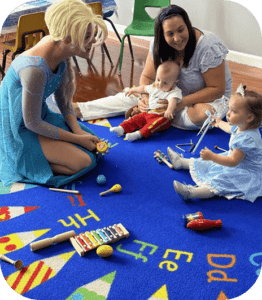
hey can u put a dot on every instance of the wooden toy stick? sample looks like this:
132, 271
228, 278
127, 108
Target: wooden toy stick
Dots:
49, 241
64, 191
116, 188
18, 264
221, 149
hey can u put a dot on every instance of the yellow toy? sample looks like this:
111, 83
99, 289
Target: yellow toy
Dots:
104, 251
116, 188
102, 147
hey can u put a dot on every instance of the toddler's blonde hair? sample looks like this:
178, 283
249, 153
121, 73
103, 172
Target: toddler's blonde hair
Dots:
71, 18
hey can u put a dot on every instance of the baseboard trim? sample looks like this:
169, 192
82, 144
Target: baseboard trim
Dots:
233, 56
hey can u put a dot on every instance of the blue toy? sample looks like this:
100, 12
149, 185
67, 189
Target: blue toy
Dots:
101, 179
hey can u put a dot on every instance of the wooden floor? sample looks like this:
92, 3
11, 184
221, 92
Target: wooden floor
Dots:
99, 79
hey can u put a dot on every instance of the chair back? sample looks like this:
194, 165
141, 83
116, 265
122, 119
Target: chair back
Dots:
30, 29
97, 8
140, 13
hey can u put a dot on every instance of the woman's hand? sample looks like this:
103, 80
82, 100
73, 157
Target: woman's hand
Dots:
206, 154
164, 104
143, 103
87, 141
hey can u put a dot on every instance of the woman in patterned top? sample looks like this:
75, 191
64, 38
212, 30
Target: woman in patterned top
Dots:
204, 78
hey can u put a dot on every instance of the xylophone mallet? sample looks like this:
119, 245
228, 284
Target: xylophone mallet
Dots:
18, 264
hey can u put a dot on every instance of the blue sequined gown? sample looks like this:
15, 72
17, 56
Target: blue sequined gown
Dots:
21, 156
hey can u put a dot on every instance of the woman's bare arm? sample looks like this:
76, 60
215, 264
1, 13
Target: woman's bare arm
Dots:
215, 87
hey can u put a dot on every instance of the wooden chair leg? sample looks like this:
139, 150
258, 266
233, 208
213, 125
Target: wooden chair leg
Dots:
107, 53
4, 58
121, 54
2, 72
112, 24
130, 46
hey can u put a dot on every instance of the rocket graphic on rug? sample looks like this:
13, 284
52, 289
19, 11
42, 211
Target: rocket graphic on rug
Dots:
37, 273
10, 212
160, 294
97, 289
19, 240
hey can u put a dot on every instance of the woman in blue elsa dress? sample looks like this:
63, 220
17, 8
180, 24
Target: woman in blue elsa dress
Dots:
36, 144
236, 173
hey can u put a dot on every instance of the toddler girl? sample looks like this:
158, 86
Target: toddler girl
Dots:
236, 173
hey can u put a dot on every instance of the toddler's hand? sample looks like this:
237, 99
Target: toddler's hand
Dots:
216, 121
206, 154
169, 115
130, 92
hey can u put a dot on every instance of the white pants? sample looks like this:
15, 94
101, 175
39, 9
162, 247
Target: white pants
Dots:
117, 105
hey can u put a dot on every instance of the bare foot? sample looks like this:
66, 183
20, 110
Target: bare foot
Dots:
77, 110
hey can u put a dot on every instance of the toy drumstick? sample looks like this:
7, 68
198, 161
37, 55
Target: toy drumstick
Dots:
18, 264
49, 241
116, 188
221, 149
64, 191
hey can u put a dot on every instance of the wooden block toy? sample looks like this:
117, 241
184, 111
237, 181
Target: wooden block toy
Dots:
87, 241
203, 224
18, 264
104, 251
116, 189
161, 157
49, 241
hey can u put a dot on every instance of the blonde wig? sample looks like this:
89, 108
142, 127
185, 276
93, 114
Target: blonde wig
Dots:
70, 18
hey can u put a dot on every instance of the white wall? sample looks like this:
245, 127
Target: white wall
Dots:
237, 23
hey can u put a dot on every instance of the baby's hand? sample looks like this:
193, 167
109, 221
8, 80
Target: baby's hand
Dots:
206, 154
169, 115
216, 121
130, 92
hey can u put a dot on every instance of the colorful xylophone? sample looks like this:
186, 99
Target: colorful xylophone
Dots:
90, 240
